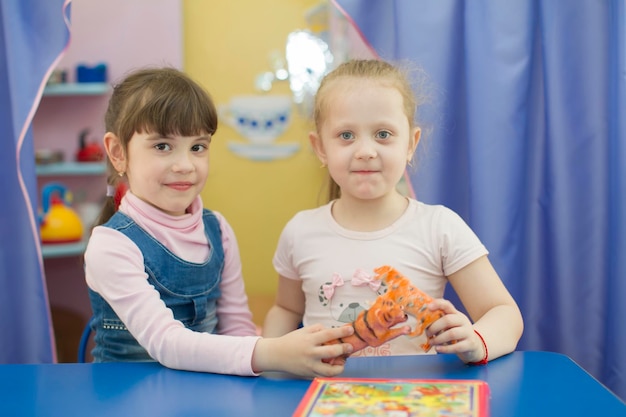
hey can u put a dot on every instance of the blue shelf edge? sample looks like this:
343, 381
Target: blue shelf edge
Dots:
71, 168
59, 250
76, 89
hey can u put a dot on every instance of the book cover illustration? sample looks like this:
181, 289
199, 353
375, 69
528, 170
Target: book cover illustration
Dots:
346, 397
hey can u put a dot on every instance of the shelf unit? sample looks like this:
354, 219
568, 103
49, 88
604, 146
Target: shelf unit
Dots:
70, 169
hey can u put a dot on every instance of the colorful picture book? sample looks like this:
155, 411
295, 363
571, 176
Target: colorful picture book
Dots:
395, 397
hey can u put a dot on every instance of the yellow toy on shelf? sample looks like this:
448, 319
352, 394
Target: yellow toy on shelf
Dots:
59, 223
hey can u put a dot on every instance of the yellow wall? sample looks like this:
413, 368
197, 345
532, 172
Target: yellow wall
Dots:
226, 45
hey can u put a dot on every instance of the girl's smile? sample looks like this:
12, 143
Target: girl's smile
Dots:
364, 171
180, 186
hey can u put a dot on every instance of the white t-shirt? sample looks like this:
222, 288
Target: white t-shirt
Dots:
426, 244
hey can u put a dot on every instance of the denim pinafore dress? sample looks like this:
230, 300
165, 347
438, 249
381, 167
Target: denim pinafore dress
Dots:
190, 290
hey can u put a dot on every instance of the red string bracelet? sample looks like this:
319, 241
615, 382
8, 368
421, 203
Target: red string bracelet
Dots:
486, 358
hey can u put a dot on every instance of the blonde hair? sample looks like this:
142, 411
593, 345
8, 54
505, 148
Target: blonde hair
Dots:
371, 69
155, 100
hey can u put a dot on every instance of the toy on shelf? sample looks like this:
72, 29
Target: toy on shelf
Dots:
412, 299
58, 76
48, 156
88, 151
91, 74
59, 223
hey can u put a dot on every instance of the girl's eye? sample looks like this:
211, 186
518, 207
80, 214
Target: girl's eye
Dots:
198, 148
162, 147
383, 134
346, 135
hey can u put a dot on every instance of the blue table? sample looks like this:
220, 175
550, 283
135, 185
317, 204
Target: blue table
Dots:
529, 384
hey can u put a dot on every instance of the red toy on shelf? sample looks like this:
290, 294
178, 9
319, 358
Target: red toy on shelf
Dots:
88, 151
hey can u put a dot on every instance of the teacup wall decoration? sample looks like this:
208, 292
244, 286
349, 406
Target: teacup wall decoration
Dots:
261, 119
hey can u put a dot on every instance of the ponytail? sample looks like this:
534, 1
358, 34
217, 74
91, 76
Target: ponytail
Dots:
116, 188
334, 192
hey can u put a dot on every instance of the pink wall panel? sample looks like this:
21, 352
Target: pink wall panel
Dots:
125, 35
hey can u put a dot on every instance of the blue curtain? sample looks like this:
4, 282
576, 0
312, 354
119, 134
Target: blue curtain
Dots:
528, 143
33, 34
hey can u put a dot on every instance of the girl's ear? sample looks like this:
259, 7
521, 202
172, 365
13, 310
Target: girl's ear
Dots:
318, 147
414, 140
115, 151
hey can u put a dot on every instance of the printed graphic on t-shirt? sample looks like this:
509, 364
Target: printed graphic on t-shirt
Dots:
345, 297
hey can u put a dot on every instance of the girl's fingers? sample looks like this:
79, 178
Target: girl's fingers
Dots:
313, 328
451, 327
327, 335
440, 304
336, 350
327, 369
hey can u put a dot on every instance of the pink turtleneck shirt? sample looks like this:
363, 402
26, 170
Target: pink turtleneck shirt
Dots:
114, 268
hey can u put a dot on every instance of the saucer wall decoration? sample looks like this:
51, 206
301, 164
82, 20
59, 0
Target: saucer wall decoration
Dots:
261, 119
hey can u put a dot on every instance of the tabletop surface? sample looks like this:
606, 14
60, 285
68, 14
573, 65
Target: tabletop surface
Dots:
521, 384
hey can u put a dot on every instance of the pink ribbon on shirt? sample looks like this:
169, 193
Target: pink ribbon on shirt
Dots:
359, 279
362, 278
329, 289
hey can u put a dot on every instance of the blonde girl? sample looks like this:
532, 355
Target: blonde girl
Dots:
365, 134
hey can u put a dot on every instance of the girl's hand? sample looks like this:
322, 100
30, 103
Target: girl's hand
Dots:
301, 351
454, 333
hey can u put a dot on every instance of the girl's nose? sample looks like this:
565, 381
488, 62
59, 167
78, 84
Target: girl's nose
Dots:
183, 163
365, 150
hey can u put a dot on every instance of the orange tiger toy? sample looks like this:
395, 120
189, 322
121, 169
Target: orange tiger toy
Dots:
372, 327
415, 302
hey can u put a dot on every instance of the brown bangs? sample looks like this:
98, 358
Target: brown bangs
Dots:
168, 104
